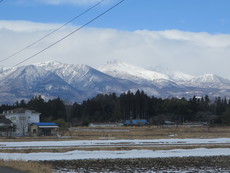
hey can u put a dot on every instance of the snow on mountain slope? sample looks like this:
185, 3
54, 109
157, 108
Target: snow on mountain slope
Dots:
173, 75
24, 75
67, 72
5, 70
87, 79
28, 81
146, 78
209, 81
79, 82
210, 78
126, 71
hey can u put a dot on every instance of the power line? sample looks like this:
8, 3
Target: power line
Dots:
28, 46
87, 23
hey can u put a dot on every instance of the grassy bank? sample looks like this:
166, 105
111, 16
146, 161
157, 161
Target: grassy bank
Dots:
30, 167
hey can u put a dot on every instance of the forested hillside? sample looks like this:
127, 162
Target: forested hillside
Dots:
113, 108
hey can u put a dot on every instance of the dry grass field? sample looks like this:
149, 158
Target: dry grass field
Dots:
148, 132
131, 132
30, 167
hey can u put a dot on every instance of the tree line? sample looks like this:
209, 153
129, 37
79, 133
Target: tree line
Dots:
129, 105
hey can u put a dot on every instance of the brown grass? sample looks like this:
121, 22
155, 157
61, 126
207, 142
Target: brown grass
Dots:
150, 132
31, 167
144, 132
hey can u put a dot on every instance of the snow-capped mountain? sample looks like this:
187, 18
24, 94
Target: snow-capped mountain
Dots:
209, 81
152, 82
126, 71
28, 81
87, 79
162, 77
75, 83
173, 75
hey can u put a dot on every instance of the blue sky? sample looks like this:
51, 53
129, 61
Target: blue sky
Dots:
211, 16
192, 36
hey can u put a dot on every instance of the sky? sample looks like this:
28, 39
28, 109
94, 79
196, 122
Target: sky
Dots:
191, 36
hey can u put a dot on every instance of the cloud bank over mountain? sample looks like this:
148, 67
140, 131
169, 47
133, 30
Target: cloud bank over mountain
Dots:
193, 53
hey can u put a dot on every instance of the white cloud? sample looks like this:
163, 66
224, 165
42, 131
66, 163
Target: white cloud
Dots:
26, 26
193, 53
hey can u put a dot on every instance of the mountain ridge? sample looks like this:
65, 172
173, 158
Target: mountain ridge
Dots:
75, 83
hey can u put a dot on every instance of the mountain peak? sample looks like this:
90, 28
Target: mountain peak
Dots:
173, 75
127, 71
209, 78
49, 63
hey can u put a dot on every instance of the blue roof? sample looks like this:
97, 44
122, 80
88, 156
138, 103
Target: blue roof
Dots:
45, 124
136, 121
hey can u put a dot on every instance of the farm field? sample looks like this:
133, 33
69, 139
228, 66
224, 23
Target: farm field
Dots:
149, 132
84, 144
132, 132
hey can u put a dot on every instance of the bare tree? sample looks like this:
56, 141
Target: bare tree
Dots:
23, 125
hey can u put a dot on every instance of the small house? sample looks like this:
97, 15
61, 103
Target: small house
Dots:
43, 129
6, 126
22, 118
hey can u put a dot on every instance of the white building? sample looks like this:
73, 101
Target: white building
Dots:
22, 118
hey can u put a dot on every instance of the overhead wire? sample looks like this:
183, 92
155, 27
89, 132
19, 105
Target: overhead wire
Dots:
63, 38
52, 32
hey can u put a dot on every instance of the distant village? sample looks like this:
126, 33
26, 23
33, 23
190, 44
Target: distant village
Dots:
23, 122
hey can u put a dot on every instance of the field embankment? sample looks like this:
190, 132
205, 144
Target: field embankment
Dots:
22, 166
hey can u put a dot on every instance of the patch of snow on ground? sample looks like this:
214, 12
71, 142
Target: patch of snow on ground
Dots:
78, 155
112, 142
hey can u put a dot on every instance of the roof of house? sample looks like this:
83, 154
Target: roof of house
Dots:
20, 110
45, 124
5, 123
136, 121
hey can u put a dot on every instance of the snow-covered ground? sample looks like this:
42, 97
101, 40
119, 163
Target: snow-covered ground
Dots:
34, 144
77, 154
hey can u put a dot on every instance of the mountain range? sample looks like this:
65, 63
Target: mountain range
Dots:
75, 83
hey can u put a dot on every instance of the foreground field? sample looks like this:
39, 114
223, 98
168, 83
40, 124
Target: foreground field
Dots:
133, 144
113, 149
88, 146
29, 166
217, 164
